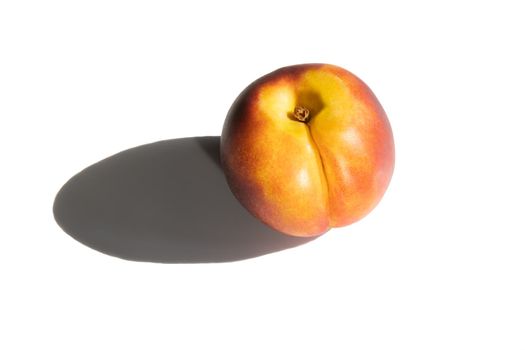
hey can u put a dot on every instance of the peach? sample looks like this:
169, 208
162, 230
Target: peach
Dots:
307, 148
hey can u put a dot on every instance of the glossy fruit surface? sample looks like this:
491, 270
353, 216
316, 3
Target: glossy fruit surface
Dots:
306, 148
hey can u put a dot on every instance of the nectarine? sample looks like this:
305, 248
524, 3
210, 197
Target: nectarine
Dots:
306, 148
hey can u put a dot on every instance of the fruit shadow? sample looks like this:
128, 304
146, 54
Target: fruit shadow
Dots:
164, 202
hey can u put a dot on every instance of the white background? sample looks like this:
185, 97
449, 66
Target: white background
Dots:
439, 264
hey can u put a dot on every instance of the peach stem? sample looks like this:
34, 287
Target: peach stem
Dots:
301, 113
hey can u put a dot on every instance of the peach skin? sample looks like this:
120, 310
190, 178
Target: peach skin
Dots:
307, 148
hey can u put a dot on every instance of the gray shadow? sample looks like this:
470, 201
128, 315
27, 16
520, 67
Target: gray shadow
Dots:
164, 202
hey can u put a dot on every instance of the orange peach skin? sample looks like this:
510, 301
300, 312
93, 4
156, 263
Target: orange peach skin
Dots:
302, 178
